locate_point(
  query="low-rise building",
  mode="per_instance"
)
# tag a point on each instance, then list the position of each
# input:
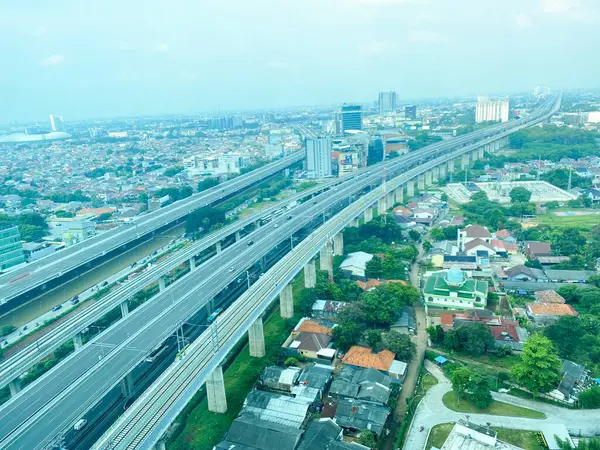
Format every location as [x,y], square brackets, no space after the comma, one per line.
[356,264]
[327,309]
[534,249]
[467,435]
[544,313]
[11,249]
[36,250]
[383,361]
[452,289]
[355,415]
[470,233]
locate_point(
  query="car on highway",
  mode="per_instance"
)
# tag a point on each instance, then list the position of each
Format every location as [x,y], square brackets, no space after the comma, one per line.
[104,283]
[276,225]
[249,243]
[75,300]
[289,218]
[231,269]
[56,308]
[80,425]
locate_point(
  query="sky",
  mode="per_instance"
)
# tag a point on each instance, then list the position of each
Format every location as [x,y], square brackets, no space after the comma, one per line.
[89,59]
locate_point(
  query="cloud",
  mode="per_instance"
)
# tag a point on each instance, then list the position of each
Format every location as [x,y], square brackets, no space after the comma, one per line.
[164,48]
[126,47]
[379,47]
[52,60]
[382,2]
[38,31]
[522,20]
[558,6]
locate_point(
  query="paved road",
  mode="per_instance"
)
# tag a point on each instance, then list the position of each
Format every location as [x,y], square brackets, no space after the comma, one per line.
[32,275]
[431,411]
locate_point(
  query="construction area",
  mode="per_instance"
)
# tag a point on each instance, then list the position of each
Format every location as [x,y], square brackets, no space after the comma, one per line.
[541,191]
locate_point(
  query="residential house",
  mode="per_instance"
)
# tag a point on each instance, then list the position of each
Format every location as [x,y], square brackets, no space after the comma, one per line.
[549,296]
[470,233]
[356,264]
[593,194]
[279,379]
[505,236]
[355,415]
[327,309]
[320,434]
[569,276]
[311,339]
[534,249]
[573,379]
[315,377]
[452,289]
[545,313]
[551,260]
[370,284]
[480,248]
[524,273]
[462,262]
[362,384]
[467,435]
[250,433]
[406,322]
[383,360]
[280,409]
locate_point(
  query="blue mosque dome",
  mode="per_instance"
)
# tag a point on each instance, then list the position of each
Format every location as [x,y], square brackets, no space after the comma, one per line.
[455,276]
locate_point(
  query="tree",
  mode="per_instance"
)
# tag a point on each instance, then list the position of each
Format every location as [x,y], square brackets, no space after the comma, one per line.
[202,219]
[373,338]
[436,334]
[479,391]
[437,234]
[565,334]
[519,195]
[590,398]
[7,329]
[104,217]
[346,335]
[291,362]
[207,183]
[570,293]
[540,366]
[367,438]
[414,235]
[306,301]
[374,268]
[451,340]
[475,339]
[461,379]
[427,245]
[400,344]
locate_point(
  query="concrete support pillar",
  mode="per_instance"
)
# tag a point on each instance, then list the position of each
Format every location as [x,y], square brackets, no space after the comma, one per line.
[237,235]
[310,274]
[256,339]
[161,284]
[77,341]
[15,387]
[338,244]
[451,166]
[286,302]
[215,391]
[160,445]
[210,306]
[127,385]
[192,264]
[464,162]
[442,170]
[263,264]
[435,174]
[218,247]
[124,308]
[480,153]
[325,259]
[496,145]
[368,215]
[421,181]
[474,155]
[354,223]
[399,193]
[410,188]
[382,205]
[428,176]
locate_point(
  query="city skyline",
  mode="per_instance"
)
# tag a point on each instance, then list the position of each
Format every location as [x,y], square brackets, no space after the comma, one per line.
[183,58]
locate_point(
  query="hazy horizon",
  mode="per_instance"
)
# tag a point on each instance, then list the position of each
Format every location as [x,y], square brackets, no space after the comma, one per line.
[128,59]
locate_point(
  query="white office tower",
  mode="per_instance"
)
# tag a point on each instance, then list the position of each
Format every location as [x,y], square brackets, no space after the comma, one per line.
[318,157]
[489,110]
[57,123]
[387,102]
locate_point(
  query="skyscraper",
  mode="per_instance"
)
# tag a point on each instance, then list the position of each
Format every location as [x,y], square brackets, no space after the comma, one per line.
[410,112]
[318,157]
[488,110]
[57,123]
[351,117]
[387,102]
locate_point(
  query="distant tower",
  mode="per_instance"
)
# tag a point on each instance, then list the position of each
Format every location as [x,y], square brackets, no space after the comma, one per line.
[318,157]
[387,102]
[351,117]
[57,123]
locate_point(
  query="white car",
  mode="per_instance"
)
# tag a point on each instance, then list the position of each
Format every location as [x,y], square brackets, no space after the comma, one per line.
[231,269]
[276,225]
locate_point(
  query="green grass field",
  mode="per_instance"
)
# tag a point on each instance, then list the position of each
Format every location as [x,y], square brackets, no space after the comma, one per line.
[496,408]
[202,429]
[584,222]
[438,435]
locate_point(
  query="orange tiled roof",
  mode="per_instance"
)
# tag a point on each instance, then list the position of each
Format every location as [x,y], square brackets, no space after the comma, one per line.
[370,283]
[402,282]
[310,326]
[364,357]
[551,309]
[549,296]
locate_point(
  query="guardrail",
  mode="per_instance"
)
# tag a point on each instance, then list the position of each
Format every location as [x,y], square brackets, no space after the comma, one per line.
[147,419]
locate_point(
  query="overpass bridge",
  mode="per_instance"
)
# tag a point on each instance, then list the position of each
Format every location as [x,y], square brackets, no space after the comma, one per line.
[54,402]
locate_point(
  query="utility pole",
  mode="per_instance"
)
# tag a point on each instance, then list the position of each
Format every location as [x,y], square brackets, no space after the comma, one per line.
[570,178]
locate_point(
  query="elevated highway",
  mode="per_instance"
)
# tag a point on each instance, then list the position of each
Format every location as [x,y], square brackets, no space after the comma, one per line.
[60,397]
[16,284]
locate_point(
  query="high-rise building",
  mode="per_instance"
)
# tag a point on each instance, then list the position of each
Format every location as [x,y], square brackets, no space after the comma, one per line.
[410,112]
[488,110]
[351,117]
[11,249]
[387,102]
[318,157]
[57,123]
